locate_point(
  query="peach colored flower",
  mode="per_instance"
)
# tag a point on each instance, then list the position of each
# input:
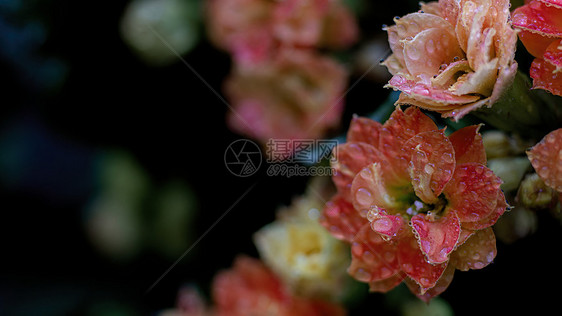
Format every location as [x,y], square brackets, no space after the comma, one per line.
[540,22]
[453,58]
[546,158]
[297,95]
[249,288]
[414,204]
[253,29]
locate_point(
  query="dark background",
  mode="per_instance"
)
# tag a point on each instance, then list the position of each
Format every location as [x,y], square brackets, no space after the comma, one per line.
[105,97]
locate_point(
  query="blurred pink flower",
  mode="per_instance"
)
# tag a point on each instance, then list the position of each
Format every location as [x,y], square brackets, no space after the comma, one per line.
[253,29]
[297,95]
[454,56]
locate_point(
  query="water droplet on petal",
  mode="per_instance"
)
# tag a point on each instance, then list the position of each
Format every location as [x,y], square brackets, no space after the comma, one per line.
[413,53]
[408,268]
[389,256]
[364,197]
[362,275]
[382,225]
[385,272]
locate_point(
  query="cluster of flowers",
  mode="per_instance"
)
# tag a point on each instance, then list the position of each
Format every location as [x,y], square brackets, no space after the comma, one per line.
[281,86]
[540,24]
[302,273]
[413,202]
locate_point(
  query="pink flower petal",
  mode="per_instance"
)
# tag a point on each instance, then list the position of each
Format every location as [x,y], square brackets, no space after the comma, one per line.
[409,26]
[428,50]
[468,145]
[386,285]
[389,226]
[364,130]
[440,287]
[553,3]
[501,207]
[553,55]
[450,10]
[350,159]
[370,189]
[546,158]
[538,18]
[424,92]
[401,126]
[535,43]
[341,219]
[472,192]
[432,7]
[437,238]
[477,252]
[432,162]
[373,259]
[413,262]
[545,77]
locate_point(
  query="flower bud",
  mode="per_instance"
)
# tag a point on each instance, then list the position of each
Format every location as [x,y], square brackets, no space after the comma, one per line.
[534,193]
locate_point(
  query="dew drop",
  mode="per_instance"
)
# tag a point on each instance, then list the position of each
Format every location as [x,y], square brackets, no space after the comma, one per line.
[389,256]
[363,213]
[385,272]
[426,246]
[365,174]
[368,256]
[408,268]
[364,197]
[314,214]
[362,275]
[413,53]
[478,265]
[444,252]
[357,249]
[382,224]
[424,282]
[428,169]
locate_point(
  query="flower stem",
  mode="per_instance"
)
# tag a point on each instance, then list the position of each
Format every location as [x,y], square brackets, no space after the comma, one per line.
[529,113]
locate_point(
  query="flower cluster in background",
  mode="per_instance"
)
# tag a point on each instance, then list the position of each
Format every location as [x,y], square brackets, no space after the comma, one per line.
[281,86]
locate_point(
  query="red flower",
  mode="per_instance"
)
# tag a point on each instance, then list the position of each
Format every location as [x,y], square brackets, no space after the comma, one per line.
[540,22]
[251,289]
[414,203]
[546,158]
